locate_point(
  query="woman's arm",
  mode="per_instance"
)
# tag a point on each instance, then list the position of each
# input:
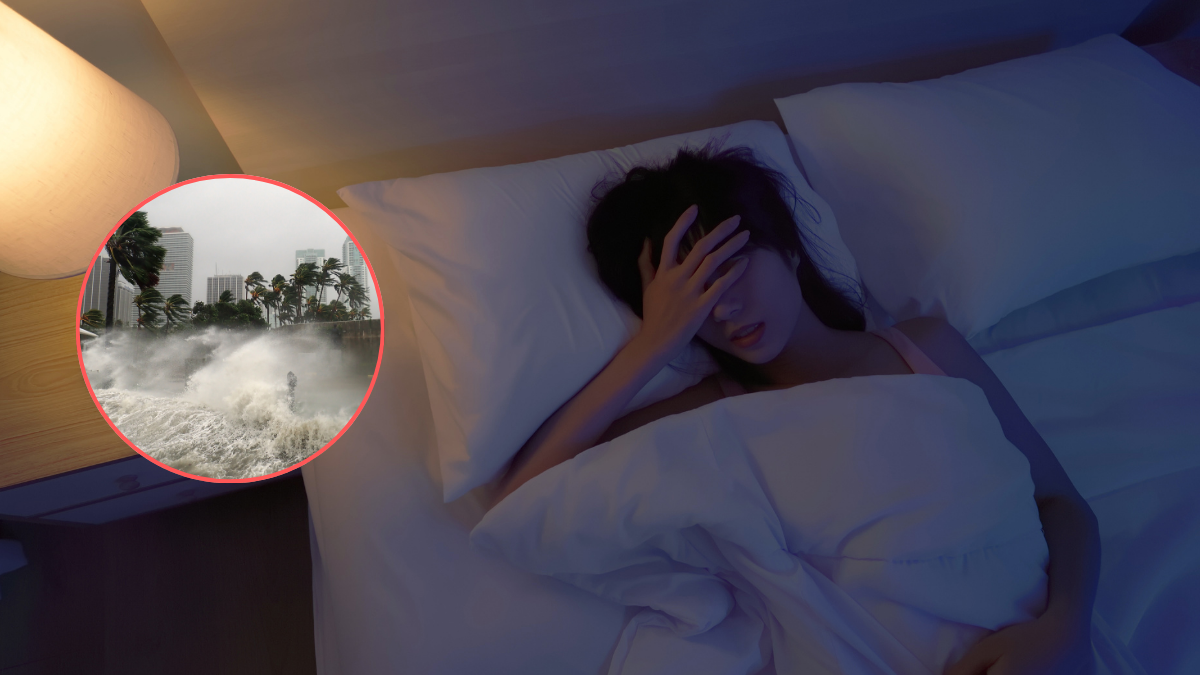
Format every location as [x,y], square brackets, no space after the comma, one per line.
[581,421]
[675,301]
[1070,526]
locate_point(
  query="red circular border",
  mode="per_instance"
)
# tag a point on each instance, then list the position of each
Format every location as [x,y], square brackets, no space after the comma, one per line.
[79,341]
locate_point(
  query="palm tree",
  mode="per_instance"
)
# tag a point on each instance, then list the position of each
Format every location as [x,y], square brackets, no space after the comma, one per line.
[258,296]
[275,296]
[149,320]
[305,275]
[92,319]
[175,310]
[336,311]
[226,311]
[270,300]
[330,267]
[343,284]
[289,305]
[148,304]
[356,295]
[254,284]
[254,280]
[133,250]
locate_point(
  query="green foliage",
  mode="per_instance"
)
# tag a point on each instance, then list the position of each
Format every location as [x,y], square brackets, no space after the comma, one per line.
[135,254]
[92,320]
[177,313]
[149,304]
[306,274]
[239,315]
[325,275]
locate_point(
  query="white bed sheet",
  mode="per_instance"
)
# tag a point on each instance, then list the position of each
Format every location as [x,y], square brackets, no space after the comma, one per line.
[398,589]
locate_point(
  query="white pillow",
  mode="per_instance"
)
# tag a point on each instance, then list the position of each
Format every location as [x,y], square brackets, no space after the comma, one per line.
[972,195]
[510,314]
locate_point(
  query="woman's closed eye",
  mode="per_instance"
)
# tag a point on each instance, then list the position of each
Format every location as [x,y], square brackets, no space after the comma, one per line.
[724,268]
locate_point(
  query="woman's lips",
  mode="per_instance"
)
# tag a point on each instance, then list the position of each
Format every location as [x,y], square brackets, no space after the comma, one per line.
[751,339]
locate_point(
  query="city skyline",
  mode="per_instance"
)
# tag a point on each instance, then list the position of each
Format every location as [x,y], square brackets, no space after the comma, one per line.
[240,226]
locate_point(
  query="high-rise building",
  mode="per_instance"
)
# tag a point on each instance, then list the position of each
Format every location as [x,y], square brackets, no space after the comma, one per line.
[310,255]
[95,293]
[176,274]
[216,285]
[355,265]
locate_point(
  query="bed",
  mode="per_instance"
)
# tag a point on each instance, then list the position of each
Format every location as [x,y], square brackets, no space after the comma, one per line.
[1112,386]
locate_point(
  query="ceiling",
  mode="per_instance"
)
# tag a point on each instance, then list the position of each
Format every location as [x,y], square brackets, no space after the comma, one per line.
[321,94]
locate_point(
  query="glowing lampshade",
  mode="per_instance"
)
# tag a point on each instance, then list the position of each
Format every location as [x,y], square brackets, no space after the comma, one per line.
[77,151]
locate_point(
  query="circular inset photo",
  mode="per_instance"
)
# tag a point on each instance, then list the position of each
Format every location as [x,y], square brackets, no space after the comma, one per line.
[230,328]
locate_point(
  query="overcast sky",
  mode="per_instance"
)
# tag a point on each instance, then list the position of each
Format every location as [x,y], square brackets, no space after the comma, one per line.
[239,226]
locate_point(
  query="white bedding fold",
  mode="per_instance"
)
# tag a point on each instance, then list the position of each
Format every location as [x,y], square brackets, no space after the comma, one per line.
[866,525]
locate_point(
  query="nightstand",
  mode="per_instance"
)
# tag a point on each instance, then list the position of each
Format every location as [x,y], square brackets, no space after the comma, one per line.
[59,459]
[108,492]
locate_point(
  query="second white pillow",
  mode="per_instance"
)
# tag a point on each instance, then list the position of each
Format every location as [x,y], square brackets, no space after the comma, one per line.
[975,194]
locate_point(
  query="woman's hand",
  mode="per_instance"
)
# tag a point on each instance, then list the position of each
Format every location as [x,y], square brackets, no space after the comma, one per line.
[677,298]
[1044,646]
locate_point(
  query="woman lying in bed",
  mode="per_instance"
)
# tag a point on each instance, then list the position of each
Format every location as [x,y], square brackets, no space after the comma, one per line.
[707,247]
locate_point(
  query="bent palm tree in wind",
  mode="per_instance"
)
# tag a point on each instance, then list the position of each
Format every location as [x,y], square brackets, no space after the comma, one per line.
[275,296]
[176,310]
[133,250]
[289,304]
[258,296]
[149,302]
[270,300]
[305,275]
[254,284]
[226,309]
[356,295]
[344,282]
[325,277]
[254,280]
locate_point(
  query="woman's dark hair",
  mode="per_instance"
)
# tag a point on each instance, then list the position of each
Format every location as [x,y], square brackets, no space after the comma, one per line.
[647,201]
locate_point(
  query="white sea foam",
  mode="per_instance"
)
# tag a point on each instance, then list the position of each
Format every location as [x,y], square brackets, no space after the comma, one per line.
[232,417]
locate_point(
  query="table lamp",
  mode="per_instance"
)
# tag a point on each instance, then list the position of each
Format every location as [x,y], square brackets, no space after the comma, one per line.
[77,152]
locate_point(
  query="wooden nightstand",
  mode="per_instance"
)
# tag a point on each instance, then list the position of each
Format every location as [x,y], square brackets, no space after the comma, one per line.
[59,459]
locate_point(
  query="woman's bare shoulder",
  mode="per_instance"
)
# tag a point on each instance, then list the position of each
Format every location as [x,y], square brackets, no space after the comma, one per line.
[703,392]
[922,329]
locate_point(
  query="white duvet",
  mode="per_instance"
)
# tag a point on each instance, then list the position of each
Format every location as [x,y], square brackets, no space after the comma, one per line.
[866,525]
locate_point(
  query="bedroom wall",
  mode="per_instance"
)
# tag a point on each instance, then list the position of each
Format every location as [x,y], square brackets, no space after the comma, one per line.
[323,94]
[119,38]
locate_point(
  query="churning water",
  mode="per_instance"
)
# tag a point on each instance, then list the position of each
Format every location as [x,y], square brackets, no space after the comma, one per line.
[217,403]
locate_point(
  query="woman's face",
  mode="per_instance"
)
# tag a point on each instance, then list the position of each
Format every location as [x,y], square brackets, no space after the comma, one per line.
[767,293]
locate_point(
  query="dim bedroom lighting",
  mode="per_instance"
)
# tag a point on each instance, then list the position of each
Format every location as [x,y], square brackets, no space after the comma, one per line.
[79,151]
